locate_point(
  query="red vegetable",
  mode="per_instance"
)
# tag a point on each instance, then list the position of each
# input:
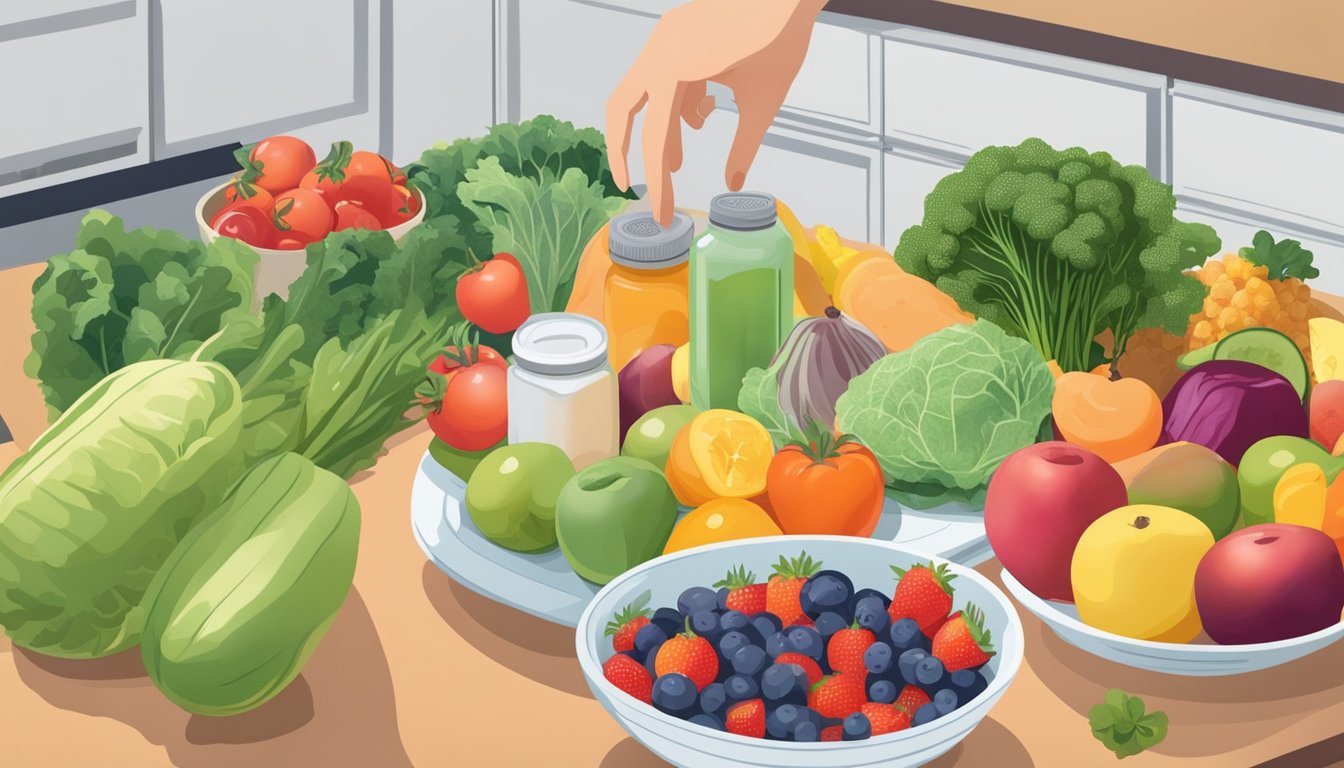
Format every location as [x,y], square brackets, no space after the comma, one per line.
[301,214]
[278,163]
[245,222]
[1228,405]
[493,295]
[464,395]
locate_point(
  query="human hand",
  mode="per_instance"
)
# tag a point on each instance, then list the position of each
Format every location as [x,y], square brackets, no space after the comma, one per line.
[755,47]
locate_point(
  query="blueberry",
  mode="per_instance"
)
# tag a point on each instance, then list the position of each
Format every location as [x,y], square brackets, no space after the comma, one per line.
[731,642]
[872,615]
[697,599]
[722,595]
[708,721]
[741,688]
[714,699]
[670,620]
[906,634]
[648,637]
[651,656]
[784,684]
[767,624]
[806,640]
[968,684]
[907,661]
[776,644]
[945,701]
[929,673]
[878,658]
[806,731]
[829,623]
[882,691]
[857,727]
[925,714]
[733,620]
[675,694]
[705,624]
[827,591]
[780,721]
[866,592]
[750,660]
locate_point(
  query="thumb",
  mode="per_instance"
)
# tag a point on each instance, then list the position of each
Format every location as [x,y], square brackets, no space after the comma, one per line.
[753,120]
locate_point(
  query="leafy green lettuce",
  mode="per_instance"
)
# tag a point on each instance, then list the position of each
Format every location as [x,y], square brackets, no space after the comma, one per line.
[941,415]
[759,399]
[123,297]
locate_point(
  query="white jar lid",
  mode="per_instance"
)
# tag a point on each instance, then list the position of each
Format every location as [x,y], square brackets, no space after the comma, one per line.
[560,344]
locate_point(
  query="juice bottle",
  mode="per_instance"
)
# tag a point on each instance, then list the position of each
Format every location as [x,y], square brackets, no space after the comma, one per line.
[741,295]
[645,301]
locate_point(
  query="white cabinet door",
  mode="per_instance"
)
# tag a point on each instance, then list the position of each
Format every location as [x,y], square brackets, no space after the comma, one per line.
[955,95]
[840,83]
[247,69]
[72,86]
[907,177]
[440,81]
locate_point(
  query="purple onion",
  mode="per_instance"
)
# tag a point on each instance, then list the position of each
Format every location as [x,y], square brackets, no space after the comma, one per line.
[1229,405]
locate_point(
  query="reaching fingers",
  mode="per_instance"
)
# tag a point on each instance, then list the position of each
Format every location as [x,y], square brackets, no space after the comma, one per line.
[662,149]
[753,120]
[625,102]
[695,105]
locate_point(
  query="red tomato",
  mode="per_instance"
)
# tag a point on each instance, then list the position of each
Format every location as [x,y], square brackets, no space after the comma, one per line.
[408,207]
[302,214]
[464,395]
[321,184]
[279,163]
[245,222]
[285,243]
[239,190]
[370,164]
[493,295]
[351,216]
[377,196]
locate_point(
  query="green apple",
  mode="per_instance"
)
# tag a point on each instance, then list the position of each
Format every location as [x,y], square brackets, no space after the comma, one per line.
[512,494]
[613,516]
[650,438]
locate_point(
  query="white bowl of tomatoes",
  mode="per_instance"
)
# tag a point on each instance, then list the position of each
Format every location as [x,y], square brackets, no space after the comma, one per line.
[284,199]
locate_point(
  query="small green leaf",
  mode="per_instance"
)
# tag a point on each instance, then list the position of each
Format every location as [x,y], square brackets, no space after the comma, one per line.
[1134,708]
[1122,727]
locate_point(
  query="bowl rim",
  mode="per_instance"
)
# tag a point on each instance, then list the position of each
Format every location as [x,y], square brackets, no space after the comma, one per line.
[204,225]
[1052,615]
[1011,637]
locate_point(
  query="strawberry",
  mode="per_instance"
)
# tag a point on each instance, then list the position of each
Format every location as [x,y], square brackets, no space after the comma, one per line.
[838,695]
[627,622]
[746,718]
[630,676]
[806,662]
[689,654]
[923,593]
[833,733]
[886,718]
[784,587]
[744,594]
[911,699]
[845,650]
[963,642]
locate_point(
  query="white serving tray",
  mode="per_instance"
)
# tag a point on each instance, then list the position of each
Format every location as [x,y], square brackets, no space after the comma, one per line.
[545,586]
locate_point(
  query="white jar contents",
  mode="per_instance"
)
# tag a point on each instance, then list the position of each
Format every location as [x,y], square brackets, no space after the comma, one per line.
[561,388]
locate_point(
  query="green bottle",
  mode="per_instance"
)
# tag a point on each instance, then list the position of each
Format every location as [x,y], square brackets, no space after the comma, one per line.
[741,295]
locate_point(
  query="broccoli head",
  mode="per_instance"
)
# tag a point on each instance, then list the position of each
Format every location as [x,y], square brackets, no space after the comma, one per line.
[1057,246]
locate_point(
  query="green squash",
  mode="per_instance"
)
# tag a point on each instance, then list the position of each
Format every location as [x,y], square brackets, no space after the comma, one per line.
[239,607]
[98,502]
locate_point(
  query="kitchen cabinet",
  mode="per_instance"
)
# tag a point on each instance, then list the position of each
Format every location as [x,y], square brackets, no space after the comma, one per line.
[438,73]
[73,91]
[247,69]
[907,176]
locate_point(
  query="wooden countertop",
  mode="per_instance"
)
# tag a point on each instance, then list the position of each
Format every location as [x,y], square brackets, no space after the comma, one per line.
[1284,50]
[418,671]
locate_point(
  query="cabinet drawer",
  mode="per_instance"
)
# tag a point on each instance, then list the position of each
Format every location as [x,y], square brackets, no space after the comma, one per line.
[907,177]
[223,79]
[1276,162]
[956,95]
[74,91]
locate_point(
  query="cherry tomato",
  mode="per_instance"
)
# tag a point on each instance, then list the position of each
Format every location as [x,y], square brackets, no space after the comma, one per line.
[352,216]
[370,164]
[239,190]
[377,196]
[493,295]
[302,214]
[279,163]
[245,222]
[464,395]
[323,185]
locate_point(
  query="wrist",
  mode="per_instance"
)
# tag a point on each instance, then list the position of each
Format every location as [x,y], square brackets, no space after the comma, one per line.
[811,7]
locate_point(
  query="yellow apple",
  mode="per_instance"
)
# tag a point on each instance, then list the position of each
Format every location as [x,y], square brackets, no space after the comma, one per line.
[1133,573]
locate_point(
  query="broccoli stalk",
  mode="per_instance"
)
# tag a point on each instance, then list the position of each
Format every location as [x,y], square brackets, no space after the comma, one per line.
[1058,247]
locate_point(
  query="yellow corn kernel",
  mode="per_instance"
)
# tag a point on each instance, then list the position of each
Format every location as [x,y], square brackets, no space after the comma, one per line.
[1242,300]
[1222,291]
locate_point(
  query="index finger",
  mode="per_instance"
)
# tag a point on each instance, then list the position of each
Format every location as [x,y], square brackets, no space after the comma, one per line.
[624,104]
[662,150]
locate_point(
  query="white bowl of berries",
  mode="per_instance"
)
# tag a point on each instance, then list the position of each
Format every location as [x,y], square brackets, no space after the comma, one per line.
[818,651]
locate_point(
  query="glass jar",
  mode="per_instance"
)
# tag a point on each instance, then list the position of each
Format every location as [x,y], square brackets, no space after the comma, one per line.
[561,389]
[645,297]
[741,297]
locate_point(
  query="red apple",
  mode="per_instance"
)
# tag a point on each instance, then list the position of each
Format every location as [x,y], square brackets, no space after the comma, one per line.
[1040,501]
[1269,582]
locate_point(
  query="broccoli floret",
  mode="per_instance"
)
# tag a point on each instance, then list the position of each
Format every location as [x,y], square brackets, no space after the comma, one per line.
[1058,247]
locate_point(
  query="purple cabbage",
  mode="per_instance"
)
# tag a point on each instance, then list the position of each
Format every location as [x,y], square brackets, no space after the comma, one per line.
[1228,405]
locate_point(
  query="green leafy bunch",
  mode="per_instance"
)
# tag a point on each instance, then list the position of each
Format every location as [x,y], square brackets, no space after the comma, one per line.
[1059,246]
[1283,259]
[1123,725]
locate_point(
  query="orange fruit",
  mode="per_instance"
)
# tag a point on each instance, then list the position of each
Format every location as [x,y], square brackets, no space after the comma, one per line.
[720,454]
[720,520]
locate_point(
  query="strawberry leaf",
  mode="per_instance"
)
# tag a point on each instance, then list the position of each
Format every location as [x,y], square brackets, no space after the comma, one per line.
[737,578]
[629,613]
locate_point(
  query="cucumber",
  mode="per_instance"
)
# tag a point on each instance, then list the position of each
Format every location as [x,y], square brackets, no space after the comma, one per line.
[1268,348]
[1195,357]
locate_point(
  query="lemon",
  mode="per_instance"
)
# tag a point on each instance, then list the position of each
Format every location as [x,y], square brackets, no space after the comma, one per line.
[721,520]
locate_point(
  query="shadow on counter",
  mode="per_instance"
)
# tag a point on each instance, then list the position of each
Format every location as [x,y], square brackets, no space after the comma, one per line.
[340,711]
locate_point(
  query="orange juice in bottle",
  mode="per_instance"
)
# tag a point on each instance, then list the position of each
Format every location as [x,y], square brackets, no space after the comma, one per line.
[646,300]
